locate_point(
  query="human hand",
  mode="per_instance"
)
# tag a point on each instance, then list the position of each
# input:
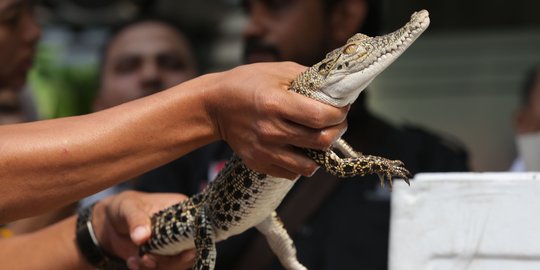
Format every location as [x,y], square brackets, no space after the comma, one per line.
[265,124]
[122,223]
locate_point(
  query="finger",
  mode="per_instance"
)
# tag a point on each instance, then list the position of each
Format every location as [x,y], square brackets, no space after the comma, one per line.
[304,137]
[159,201]
[273,170]
[132,212]
[294,160]
[285,161]
[184,260]
[292,70]
[136,263]
[133,263]
[281,172]
[309,112]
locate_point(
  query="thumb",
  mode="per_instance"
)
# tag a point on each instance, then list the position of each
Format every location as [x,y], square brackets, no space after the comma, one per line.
[138,223]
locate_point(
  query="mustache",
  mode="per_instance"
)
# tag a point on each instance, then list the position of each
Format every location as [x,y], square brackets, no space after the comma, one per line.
[254,45]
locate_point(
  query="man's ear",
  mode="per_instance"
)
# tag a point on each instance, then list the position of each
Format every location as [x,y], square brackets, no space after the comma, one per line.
[347,16]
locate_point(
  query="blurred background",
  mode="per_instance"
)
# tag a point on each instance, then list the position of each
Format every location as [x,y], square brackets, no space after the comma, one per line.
[462,78]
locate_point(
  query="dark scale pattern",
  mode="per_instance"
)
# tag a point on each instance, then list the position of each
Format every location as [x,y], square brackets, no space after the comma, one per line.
[235,195]
[204,242]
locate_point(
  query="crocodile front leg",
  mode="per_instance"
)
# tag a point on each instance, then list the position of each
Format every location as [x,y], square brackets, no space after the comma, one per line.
[359,165]
[280,242]
[204,242]
[345,148]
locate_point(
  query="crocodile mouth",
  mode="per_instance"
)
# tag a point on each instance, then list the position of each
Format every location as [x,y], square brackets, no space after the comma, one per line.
[381,52]
[406,36]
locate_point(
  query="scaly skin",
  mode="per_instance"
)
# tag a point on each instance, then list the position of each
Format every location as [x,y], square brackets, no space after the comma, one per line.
[240,198]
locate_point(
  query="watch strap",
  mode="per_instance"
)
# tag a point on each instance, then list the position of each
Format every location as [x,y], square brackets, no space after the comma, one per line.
[89,245]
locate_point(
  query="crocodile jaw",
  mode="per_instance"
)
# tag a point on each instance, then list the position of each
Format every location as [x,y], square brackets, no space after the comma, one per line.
[346,74]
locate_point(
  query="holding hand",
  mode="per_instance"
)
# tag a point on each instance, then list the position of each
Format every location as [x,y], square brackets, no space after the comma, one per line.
[122,222]
[264,123]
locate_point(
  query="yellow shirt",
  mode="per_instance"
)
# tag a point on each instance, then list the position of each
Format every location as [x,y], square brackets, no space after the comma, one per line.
[5,232]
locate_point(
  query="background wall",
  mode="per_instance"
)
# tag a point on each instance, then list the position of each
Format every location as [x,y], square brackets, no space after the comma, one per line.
[463,77]
[463,84]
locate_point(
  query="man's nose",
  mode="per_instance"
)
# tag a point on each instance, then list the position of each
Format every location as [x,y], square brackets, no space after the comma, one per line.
[151,80]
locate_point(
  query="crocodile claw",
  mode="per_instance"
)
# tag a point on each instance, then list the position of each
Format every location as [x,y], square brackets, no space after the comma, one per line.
[393,169]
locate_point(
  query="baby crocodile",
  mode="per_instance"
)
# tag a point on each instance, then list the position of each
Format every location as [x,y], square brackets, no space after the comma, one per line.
[240,198]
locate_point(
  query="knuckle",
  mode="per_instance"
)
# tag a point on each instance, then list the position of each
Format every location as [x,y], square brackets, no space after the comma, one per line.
[266,133]
[270,105]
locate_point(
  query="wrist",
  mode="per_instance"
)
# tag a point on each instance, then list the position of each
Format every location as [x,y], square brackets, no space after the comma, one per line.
[214,95]
[99,225]
[89,246]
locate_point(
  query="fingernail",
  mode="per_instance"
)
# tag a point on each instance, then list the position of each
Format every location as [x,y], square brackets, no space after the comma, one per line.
[139,234]
[316,169]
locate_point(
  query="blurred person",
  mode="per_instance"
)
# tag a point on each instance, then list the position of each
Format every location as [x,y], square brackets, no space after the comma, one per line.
[16,52]
[143,57]
[47,164]
[343,225]
[527,125]
[10,107]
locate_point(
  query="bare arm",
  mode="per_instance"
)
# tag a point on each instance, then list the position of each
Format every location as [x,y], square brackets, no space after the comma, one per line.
[36,251]
[51,163]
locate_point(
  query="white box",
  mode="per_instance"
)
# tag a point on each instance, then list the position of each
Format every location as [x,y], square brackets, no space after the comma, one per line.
[473,221]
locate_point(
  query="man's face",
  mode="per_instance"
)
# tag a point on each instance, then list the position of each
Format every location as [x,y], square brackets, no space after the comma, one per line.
[143,59]
[19,34]
[279,30]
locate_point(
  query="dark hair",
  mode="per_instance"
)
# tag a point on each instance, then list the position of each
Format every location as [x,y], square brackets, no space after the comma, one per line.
[530,78]
[371,26]
[116,29]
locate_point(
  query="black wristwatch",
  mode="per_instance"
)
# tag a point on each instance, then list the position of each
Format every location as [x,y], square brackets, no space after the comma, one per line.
[89,245]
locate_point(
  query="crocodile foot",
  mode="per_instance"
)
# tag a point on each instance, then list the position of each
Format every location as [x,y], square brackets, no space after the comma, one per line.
[388,169]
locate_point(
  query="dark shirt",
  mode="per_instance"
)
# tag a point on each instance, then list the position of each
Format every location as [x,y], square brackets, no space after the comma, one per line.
[188,174]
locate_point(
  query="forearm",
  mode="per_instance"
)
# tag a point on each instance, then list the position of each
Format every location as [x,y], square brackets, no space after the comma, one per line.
[50,163]
[50,248]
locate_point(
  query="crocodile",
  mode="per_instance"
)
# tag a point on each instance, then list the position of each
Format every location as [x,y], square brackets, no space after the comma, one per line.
[240,198]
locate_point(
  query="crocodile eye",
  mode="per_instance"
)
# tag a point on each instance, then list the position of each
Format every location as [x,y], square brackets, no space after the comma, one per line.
[350,49]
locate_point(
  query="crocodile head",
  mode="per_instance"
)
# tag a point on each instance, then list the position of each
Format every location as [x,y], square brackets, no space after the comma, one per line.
[348,70]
